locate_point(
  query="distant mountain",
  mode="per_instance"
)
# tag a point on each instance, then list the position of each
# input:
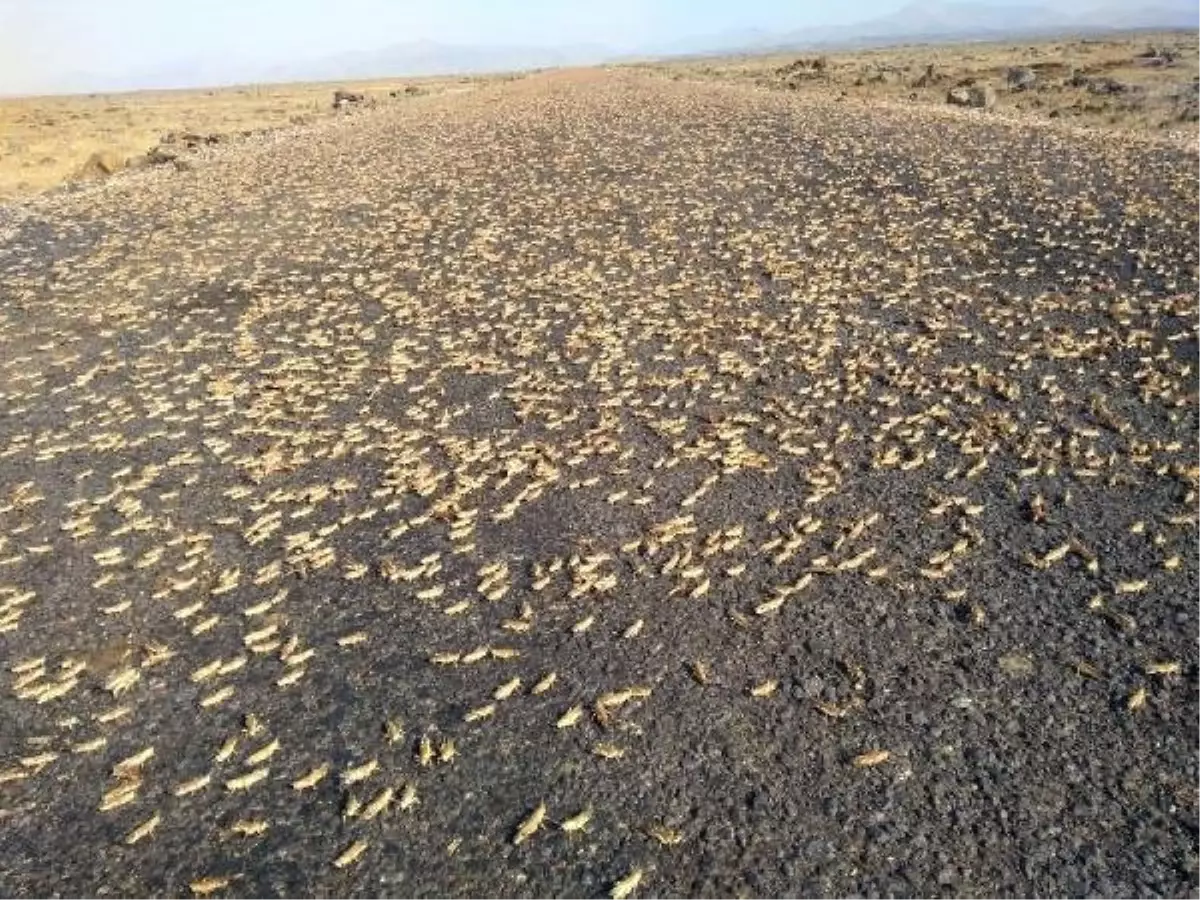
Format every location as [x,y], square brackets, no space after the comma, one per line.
[924,20]
[411,59]
[429,58]
[942,20]
[967,20]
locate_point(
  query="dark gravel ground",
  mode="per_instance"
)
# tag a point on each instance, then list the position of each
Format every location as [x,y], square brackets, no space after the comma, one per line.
[882,424]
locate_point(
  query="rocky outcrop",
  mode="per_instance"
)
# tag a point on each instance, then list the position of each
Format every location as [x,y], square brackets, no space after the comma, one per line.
[973,96]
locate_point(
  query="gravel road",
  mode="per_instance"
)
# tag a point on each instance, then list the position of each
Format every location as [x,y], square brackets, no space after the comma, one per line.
[597,484]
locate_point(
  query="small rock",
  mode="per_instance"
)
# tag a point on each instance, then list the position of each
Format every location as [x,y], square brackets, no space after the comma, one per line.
[805,68]
[160,156]
[1105,86]
[192,141]
[1020,78]
[975,97]
[809,688]
[1155,56]
[343,99]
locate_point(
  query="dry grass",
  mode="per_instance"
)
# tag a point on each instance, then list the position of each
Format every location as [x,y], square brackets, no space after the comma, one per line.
[46,140]
[1158,99]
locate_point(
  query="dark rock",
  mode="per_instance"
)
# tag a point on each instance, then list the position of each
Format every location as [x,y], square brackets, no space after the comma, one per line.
[343,99]
[975,97]
[809,68]
[160,155]
[1020,78]
[189,139]
[1106,86]
[172,143]
[1155,56]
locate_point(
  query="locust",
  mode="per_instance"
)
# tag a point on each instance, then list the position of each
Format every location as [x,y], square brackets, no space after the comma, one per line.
[249,827]
[623,887]
[377,805]
[530,824]
[765,689]
[507,689]
[359,773]
[210,884]
[1163,668]
[577,822]
[668,837]
[425,751]
[871,758]
[192,786]
[311,778]
[264,753]
[570,718]
[408,797]
[480,712]
[244,782]
[350,855]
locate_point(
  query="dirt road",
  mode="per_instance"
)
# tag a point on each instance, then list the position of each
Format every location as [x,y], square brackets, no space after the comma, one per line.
[603,484]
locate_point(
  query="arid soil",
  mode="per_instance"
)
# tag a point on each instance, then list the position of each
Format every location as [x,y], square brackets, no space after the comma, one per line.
[597,484]
[46,142]
[1145,83]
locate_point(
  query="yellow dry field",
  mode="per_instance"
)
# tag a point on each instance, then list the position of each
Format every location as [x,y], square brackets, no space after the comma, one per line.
[44,141]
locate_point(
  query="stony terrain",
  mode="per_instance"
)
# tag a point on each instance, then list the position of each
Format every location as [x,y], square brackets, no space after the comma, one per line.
[1142,82]
[603,485]
[1145,83]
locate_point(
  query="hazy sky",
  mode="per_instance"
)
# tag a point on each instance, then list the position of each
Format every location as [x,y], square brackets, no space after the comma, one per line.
[45,42]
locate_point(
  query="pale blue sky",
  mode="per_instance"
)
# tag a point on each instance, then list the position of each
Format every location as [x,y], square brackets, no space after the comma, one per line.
[44,43]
